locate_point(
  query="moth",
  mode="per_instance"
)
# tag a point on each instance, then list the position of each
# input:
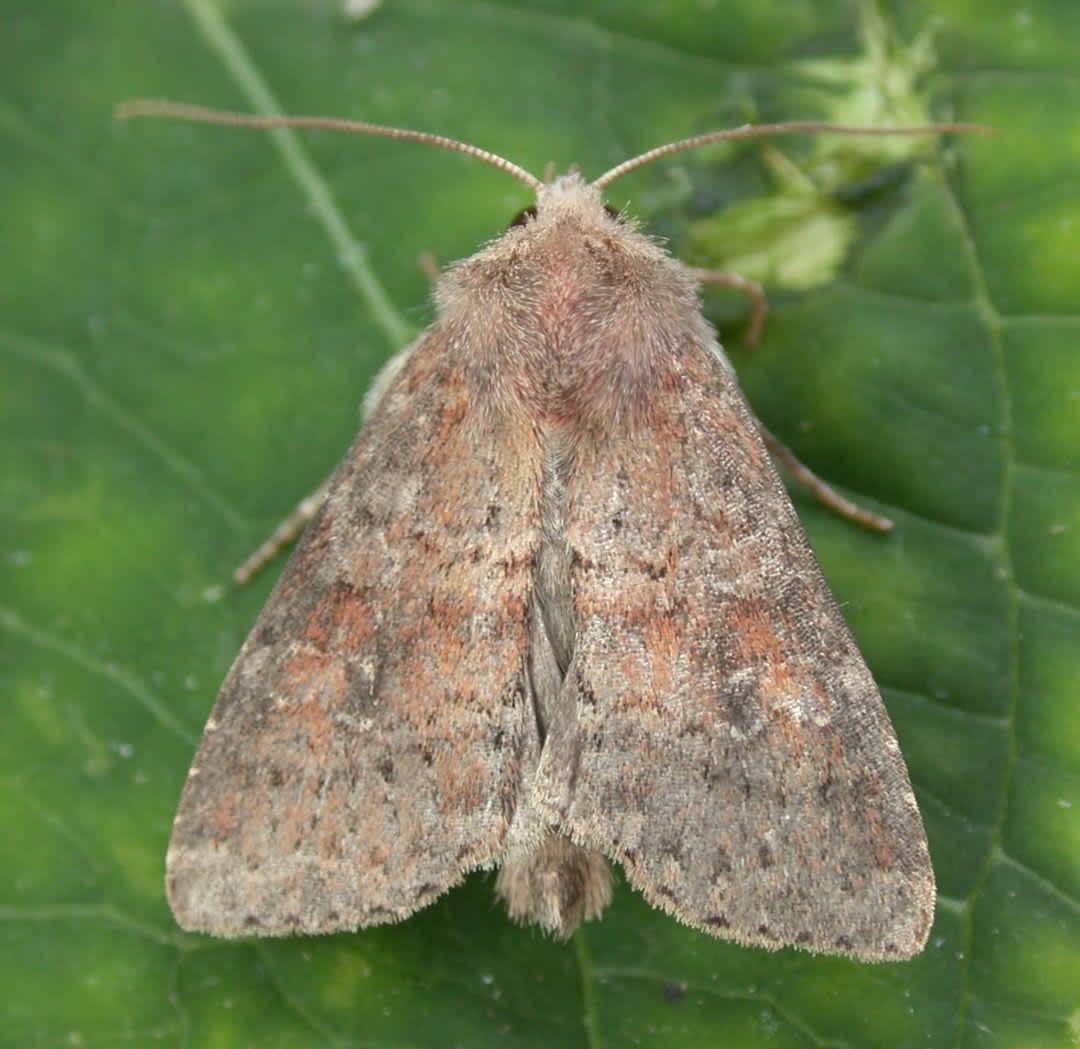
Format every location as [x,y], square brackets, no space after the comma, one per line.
[556,610]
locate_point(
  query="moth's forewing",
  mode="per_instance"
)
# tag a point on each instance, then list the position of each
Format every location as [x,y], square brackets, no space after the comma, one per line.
[367,746]
[735,753]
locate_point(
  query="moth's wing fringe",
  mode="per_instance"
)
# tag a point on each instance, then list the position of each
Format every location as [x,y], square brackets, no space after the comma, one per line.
[367,746]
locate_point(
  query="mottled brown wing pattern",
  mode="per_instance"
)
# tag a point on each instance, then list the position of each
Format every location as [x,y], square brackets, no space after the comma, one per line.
[367,745]
[731,748]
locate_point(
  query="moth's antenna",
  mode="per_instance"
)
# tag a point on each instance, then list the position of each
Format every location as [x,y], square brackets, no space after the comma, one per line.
[148,107]
[791,127]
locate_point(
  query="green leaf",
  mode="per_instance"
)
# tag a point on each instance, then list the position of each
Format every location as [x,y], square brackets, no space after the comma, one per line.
[190,317]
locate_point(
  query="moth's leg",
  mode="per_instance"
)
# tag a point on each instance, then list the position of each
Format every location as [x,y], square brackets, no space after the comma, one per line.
[818,488]
[759,306]
[289,530]
[283,535]
[799,471]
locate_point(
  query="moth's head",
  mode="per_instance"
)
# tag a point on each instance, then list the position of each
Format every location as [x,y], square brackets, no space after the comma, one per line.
[567,198]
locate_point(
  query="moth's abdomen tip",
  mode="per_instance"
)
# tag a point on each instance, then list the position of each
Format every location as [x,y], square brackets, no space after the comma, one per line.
[555,886]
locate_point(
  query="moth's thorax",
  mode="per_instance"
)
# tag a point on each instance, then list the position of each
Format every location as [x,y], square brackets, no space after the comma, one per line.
[574,315]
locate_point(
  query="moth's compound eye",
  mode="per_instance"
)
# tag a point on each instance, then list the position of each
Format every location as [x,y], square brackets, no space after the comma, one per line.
[523,216]
[528,213]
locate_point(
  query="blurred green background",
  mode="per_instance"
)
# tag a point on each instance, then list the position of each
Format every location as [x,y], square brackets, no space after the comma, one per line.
[189,317]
